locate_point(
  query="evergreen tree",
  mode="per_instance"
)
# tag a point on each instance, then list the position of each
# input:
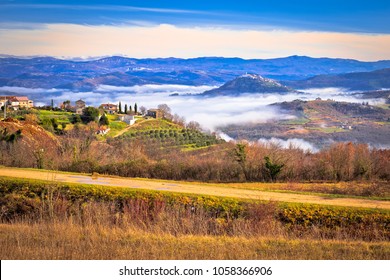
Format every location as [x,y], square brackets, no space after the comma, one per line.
[90,114]
[273,168]
[52,104]
[125,108]
[135,108]
[104,120]
[130,109]
[120,108]
[240,153]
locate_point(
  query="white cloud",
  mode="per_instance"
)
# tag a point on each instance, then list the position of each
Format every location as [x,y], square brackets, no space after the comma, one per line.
[155,89]
[23,90]
[289,143]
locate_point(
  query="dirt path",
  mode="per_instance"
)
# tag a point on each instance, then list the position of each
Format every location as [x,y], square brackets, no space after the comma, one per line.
[195,188]
[137,123]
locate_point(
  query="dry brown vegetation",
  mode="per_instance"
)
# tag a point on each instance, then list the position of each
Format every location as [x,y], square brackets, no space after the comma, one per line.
[83,222]
[72,241]
[79,150]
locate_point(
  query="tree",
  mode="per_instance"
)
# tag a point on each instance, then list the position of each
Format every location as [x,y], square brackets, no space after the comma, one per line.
[130,109]
[54,123]
[52,104]
[90,114]
[165,111]
[273,168]
[120,108]
[240,156]
[125,108]
[66,105]
[104,120]
[135,108]
[76,119]
[178,120]
[194,125]
[142,110]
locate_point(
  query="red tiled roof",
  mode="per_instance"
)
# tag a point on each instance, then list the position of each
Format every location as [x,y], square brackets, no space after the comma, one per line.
[21,98]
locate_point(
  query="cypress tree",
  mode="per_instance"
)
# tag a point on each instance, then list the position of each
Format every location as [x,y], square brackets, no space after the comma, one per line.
[135,108]
[125,108]
[120,108]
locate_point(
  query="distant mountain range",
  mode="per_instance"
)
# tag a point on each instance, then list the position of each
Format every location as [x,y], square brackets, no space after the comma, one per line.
[249,83]
[374,80]
[48,72]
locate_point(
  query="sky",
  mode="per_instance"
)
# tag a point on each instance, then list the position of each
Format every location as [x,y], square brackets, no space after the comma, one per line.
[247,29]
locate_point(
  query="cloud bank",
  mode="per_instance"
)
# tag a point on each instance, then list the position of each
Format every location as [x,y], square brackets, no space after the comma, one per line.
[167,40]
[210,112]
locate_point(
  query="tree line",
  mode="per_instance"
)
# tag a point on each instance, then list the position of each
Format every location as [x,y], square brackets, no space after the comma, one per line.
[79,150]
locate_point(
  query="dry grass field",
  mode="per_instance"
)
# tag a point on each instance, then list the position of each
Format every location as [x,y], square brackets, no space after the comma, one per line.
[56,215]
[71,241]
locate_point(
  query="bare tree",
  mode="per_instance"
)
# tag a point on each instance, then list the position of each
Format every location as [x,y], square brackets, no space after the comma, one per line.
[165,111]
[194,125]
[142,109]
[178,119]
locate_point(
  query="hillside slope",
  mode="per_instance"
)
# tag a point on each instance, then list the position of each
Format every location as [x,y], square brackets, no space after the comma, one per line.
[374,80]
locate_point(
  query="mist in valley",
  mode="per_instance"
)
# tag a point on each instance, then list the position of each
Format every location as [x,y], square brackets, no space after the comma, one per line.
[212,113]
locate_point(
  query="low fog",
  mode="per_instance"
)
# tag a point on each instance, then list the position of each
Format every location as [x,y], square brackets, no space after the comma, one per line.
[210,112]
[290,143]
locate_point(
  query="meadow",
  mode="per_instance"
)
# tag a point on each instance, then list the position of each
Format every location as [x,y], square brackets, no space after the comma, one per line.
[56,220]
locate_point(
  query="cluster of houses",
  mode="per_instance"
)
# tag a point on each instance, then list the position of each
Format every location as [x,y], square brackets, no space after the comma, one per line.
[23,102]
[16,102]
[107,107]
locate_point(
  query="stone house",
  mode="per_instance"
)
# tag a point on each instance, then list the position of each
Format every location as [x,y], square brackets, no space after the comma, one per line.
[154,113]
[80,106]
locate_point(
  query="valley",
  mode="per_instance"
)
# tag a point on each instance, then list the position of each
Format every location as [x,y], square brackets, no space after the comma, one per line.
[321,122]
[207,153]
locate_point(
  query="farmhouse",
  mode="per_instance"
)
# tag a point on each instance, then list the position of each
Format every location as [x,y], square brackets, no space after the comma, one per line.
[80,106]
[16,102]
[110,108]
[154,113]
[24,102]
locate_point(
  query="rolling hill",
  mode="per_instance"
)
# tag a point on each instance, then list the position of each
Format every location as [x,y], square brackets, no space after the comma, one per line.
[249,83]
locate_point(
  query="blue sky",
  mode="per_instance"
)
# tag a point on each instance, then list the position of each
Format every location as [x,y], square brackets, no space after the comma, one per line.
[281,23]
[331,15]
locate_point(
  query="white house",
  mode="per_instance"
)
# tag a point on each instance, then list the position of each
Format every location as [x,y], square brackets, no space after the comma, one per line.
[129,119]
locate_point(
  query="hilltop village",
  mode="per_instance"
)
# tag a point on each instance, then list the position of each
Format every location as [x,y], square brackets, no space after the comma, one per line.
[18,105]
